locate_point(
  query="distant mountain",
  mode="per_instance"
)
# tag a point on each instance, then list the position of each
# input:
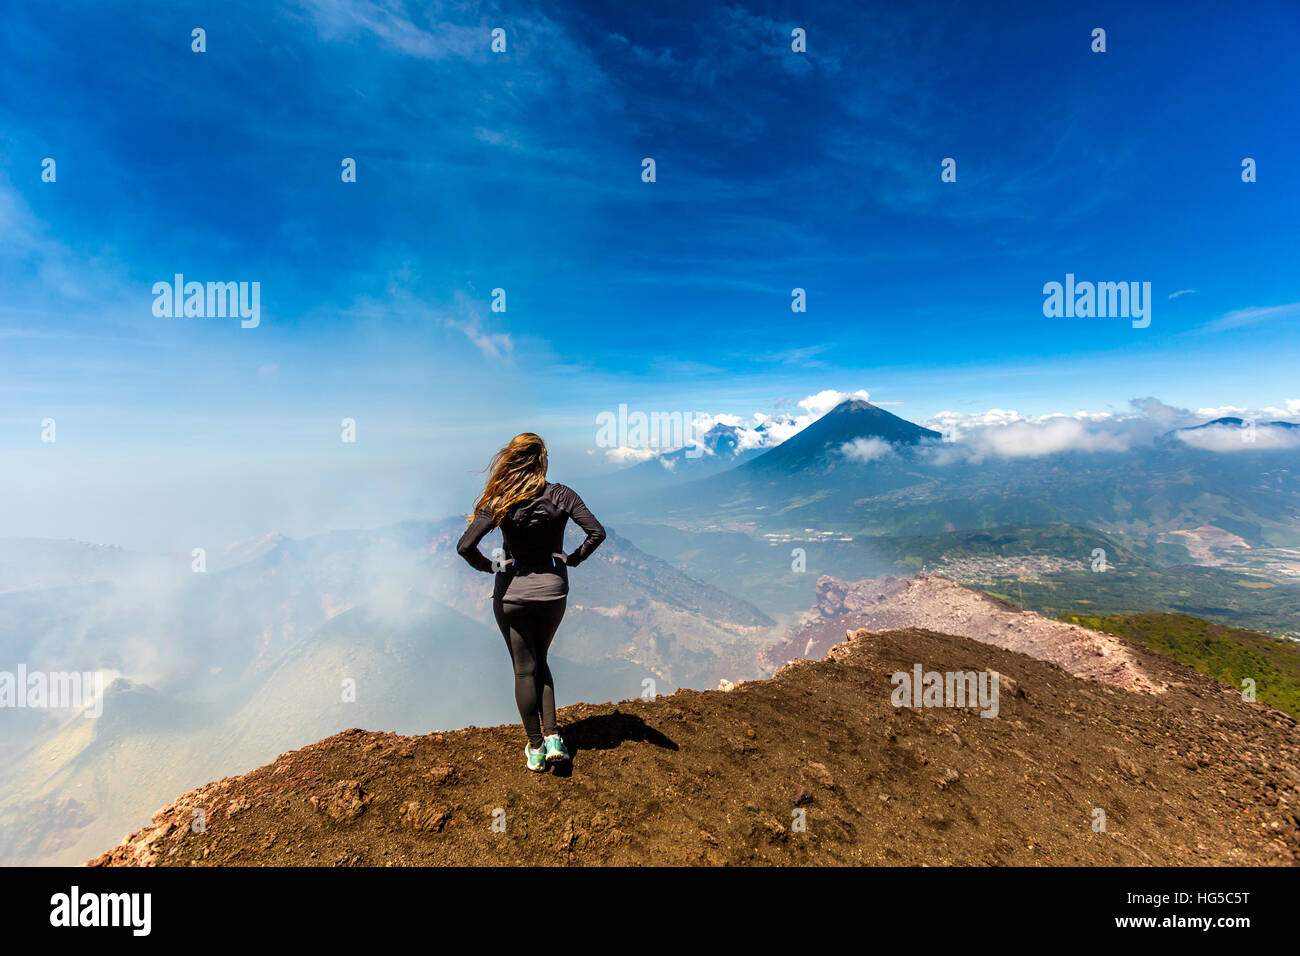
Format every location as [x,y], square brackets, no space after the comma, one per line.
[719,450]
[852,433]
[830,440]
[27,563]
[861,470]
[1233,422]
[854,450]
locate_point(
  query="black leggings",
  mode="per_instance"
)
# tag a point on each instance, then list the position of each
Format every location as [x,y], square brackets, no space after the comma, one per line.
[528,630]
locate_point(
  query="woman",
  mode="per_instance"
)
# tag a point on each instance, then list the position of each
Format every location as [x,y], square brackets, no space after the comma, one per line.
[532,577]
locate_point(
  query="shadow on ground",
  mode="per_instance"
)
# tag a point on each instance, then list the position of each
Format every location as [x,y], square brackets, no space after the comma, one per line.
[605,732]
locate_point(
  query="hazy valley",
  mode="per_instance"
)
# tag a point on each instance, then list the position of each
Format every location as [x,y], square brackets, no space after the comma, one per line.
[721,574]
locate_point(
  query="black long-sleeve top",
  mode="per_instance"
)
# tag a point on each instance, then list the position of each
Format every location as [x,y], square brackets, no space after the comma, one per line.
[533,533]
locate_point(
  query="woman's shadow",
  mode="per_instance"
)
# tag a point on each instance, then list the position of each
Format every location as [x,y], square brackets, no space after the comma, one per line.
[605,732]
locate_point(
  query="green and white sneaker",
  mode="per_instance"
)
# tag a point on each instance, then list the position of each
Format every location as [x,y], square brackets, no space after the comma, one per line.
[536,759]
[555,752]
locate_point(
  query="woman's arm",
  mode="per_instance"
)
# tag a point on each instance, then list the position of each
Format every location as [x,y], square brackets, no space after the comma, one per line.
[584,519]
[467,547]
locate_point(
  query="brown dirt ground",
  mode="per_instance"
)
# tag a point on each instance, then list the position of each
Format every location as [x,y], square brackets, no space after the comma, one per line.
[1190,776]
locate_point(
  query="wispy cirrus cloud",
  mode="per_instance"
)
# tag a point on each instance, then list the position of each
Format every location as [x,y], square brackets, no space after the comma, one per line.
[396,27]
[1256,315]
[493,345]
[808,356]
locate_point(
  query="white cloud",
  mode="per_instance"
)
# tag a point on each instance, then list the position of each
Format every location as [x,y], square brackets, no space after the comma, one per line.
[866,449]
[818,405]
[1230,438]
[1034,439]
[1006,433]
[1003,433]
[1290,409]
[630,456]
[947,422]
[1162,416]
[1222,411]
[771,430]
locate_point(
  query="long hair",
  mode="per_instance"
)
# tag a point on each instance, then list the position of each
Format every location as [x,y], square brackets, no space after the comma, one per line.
[515,473]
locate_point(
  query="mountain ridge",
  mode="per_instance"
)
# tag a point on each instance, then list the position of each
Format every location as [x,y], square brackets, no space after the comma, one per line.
[813,766]
[938,604]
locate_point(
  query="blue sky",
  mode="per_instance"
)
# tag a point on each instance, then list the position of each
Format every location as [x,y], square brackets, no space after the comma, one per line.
[522,171]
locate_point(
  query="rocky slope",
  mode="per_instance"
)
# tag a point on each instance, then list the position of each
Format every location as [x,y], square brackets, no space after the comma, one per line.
[813,766]
[935,603]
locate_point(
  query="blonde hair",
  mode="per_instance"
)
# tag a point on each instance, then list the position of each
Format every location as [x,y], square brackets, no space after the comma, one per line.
[516,473]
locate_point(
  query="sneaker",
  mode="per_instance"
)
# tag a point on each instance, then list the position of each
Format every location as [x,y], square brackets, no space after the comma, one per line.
[555,752]
[536,759]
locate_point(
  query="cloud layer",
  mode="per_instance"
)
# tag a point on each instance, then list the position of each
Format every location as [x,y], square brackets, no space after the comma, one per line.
[1002,433]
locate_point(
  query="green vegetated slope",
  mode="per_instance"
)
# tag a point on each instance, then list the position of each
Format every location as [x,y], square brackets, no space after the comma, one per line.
[1228,654]
[1214,594]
